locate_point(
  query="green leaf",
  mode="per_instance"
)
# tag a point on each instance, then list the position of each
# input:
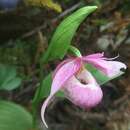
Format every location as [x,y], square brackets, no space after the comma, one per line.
[64,33]
[8,77]
[14,117]
[100,77]
[12,84]
[45,86]
[7,70]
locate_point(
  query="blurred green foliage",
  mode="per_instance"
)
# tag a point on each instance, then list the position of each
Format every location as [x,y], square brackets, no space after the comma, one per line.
[14,117]
[18,53]
[9,79]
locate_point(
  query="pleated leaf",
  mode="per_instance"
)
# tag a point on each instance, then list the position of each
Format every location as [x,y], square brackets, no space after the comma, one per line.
[14,117]
[64,33]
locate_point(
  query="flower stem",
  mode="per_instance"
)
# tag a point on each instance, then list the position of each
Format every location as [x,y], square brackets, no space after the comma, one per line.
[35,100]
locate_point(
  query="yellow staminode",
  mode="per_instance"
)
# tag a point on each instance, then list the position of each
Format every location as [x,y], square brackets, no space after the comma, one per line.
[44,3]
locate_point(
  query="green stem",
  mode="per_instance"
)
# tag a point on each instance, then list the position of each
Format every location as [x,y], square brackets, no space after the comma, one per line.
[75,51]
[35,100]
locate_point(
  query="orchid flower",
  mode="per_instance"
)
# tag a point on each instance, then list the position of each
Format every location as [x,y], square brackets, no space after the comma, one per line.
[78,84]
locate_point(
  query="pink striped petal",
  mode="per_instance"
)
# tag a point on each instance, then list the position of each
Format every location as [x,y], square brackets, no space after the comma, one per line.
[63,74]
[46,102]
[60,65]
[95,55]
[110,68]
[114,68]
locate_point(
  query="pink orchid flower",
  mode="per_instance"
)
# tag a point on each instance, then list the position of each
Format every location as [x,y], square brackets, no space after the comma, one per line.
[78,84]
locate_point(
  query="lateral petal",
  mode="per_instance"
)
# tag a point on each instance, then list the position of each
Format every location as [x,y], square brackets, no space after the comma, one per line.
[62,75]
[110,68]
